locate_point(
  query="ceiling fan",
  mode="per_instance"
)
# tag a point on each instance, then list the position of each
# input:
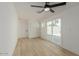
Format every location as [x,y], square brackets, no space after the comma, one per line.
[48,7]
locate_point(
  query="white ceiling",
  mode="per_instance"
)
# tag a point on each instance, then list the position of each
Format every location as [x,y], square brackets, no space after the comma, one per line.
[25,11]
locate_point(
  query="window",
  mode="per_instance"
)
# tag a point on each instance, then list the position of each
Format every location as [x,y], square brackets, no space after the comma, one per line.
[54,27]
[49,28]
[57,27]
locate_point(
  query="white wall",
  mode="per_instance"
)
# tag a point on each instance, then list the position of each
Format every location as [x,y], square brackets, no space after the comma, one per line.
[70,29]
[8,28]
[22,28]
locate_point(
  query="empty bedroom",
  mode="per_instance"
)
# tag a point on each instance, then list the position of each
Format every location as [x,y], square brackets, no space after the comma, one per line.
[39,28]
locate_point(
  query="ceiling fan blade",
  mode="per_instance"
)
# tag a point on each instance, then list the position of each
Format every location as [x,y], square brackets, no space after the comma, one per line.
[59,4]
[41,11]
[37,6]
[52,10]
[46,4]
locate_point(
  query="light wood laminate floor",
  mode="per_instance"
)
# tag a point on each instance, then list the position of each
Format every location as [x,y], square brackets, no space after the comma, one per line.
[39,47]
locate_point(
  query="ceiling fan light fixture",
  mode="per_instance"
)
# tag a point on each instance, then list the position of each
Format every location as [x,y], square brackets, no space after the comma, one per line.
[46,9]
